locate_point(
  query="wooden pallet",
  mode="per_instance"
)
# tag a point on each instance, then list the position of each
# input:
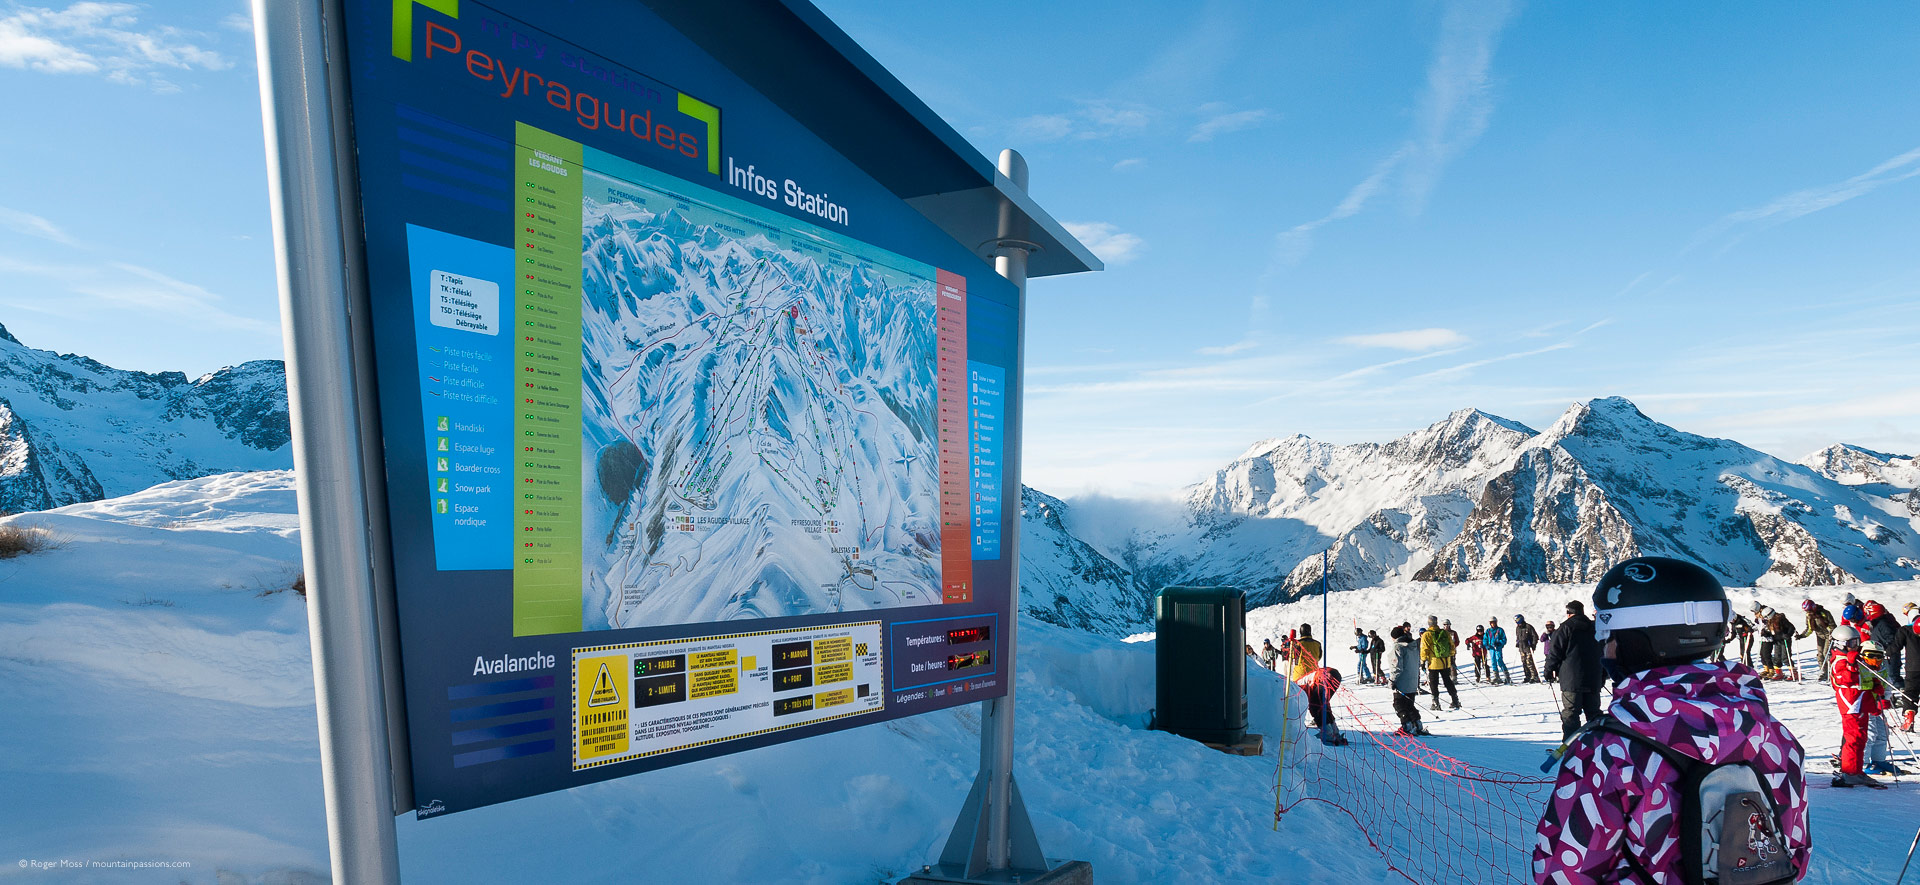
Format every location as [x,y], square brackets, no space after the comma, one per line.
[1250,745]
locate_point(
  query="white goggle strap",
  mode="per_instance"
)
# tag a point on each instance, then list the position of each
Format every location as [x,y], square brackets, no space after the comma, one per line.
[1666,614]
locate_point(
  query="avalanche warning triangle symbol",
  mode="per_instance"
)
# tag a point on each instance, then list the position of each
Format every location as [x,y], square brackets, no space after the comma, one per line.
[603,691]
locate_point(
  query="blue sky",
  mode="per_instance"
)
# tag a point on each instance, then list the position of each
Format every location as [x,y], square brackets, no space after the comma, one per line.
[1343,220]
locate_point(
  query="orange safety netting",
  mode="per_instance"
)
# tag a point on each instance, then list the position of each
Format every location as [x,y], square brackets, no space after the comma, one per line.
[1433,818]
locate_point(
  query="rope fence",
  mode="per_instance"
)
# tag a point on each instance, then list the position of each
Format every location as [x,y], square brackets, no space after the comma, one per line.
[1432,818]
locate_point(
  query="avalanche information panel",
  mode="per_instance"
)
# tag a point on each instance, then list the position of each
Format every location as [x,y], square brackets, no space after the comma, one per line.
[693,431]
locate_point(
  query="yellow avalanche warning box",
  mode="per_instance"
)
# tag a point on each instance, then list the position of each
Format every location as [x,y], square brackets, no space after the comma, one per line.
[637,700]
[600,707]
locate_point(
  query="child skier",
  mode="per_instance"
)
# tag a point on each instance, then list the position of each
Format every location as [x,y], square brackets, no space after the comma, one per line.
[1477,646]
[1616,812]
[1874,661]
[1853,691]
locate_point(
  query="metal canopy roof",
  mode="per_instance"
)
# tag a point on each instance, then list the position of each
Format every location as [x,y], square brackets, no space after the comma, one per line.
[793,54]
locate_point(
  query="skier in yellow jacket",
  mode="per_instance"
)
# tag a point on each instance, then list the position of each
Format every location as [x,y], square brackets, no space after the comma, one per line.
[1436,652]
[1306,653]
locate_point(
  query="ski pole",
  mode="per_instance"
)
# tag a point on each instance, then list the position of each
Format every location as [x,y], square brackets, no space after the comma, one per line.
[1903,867]
[1891,730]
[1553,755]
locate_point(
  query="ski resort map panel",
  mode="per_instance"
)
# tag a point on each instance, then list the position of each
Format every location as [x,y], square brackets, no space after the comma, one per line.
[762,412]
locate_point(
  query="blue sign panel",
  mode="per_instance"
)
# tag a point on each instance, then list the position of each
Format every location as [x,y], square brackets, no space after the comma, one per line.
[695,433]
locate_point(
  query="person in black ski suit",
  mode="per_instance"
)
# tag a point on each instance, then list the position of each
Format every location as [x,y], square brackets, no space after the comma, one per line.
[1909,698]
[1573,655]
[1886,630]
[1740,630]
[1527,639]
[1378,648]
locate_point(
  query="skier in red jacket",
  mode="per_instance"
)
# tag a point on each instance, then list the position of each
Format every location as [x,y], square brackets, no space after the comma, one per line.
[1854,690]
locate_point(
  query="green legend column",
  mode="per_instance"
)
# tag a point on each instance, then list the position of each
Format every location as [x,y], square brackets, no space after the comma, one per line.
[546,371]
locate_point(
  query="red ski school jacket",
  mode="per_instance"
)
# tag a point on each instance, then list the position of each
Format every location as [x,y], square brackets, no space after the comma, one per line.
[1616,798]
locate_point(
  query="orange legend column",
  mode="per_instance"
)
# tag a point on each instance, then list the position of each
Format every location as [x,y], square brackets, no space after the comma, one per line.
[956,526]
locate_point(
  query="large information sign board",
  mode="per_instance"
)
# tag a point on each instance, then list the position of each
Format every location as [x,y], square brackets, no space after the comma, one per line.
[693,432]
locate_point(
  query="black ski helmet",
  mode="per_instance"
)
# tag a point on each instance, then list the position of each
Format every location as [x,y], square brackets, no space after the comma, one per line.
[1659,611]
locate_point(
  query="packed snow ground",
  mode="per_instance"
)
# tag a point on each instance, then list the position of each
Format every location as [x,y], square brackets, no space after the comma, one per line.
[154,674]
[1858,834]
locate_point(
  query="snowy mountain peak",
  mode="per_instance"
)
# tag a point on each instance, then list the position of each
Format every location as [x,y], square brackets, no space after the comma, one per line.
[73,429]
[1476,496]
[1854,465]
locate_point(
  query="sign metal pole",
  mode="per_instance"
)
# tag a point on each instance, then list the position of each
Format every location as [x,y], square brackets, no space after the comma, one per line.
[297,90]
[993,839]
[996,732]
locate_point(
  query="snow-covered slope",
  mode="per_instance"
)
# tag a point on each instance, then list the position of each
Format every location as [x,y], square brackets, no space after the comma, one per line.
[72,429]
[154,673]
[1477,496]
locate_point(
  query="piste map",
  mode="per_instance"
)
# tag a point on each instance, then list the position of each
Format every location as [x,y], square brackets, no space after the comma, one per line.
[758,412]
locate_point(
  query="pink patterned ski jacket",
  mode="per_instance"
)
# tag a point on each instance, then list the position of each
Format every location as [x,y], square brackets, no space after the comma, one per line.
[1615,798]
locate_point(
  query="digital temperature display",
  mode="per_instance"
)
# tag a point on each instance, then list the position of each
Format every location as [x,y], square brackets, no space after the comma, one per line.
[970,659]
[965,635]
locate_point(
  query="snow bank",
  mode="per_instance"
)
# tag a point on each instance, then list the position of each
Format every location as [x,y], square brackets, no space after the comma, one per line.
[158,706]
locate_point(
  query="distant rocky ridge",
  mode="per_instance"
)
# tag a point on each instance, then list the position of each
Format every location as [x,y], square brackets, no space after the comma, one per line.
[1479,497]
[1472,497]
[74,430]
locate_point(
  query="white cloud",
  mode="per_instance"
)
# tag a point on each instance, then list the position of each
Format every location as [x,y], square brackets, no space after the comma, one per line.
[1109,242]
[1130,163]
[1452,114]
[1810,200]
[33,226]
[1091,120]
[1111,118]
[1475,364]
[1221,124]
[101,38]
[238,21]
[1411,339]
[120,285]
[1229,349]
[1043,127]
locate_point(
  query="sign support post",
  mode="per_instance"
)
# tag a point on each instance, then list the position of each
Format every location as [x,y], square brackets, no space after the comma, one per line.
[993,839]
[297,91]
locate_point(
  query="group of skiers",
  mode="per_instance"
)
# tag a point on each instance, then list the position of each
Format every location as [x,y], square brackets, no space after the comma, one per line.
[1863,664]
[1687,734]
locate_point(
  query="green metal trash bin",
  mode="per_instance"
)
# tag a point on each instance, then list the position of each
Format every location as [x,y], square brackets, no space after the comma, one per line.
[1200,668]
